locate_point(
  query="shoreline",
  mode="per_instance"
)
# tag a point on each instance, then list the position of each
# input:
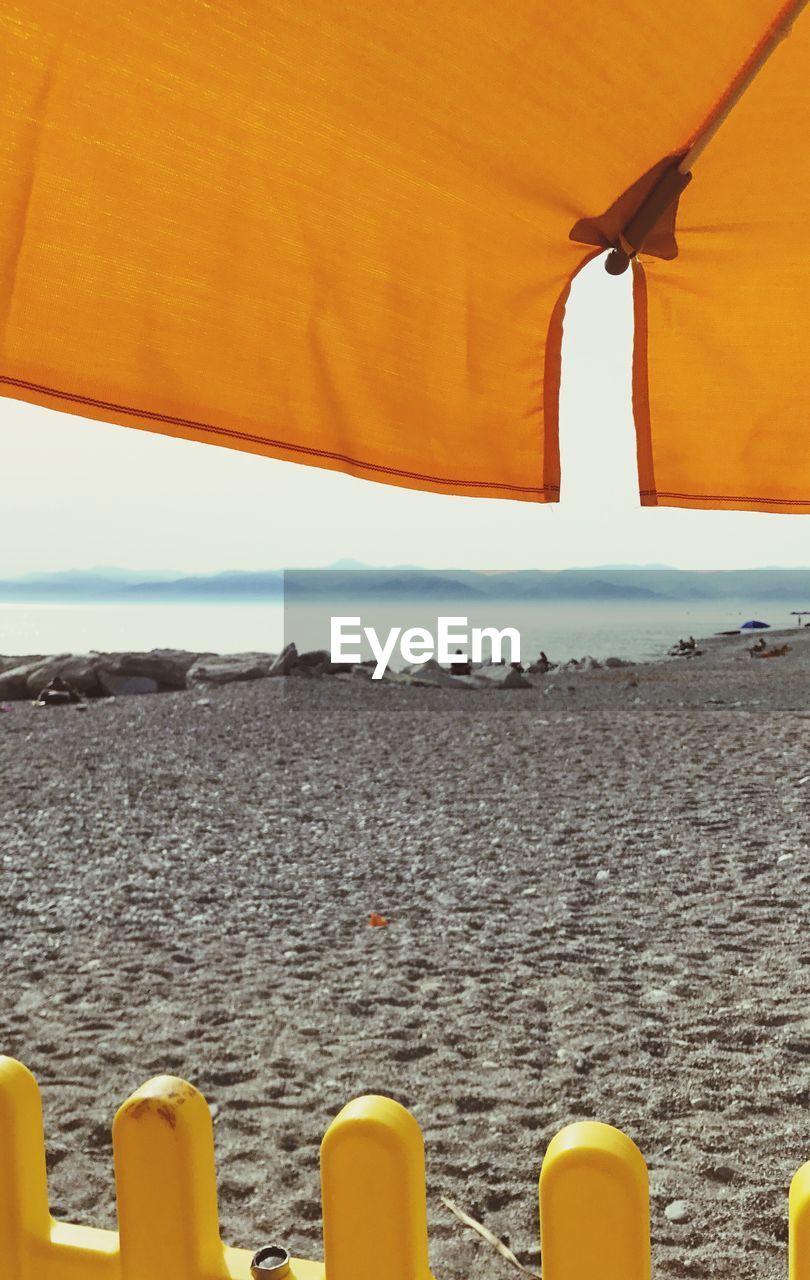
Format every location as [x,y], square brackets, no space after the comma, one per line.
[721,670]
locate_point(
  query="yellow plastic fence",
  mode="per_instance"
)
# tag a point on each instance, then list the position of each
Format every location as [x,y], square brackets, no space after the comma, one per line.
[593,1198]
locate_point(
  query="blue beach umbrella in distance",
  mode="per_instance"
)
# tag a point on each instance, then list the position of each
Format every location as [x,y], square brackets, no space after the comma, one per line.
[755,625]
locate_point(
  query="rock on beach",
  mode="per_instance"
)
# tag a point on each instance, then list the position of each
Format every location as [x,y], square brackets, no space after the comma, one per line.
[722,662]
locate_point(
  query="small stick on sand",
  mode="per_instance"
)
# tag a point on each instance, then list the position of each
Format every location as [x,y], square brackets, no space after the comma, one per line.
[497,1245]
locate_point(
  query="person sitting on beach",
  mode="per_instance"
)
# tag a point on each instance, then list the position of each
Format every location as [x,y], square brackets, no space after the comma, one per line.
[58,692]
[685,648]
[460,666]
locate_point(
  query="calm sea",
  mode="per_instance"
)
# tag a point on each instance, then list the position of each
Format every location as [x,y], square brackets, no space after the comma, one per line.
[562,629]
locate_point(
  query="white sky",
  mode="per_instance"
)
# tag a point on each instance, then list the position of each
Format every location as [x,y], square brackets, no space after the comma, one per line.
[77,493]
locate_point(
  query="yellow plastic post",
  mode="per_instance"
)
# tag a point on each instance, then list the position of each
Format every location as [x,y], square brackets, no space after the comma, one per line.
[25,1220]
[799,1225]
[594,1206]
[168,1222]
[373,1187]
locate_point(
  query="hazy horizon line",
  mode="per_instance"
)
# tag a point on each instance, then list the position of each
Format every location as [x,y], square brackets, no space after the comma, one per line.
[145,574]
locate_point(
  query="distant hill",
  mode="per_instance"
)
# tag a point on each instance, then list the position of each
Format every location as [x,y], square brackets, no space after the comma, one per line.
[122,586]
[233,584]
[383,584]
[106,573]
[786,586]
[527,586]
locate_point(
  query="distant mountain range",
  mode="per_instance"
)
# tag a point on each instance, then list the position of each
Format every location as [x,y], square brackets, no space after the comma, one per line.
[122,586]
[608,583]
[640,584]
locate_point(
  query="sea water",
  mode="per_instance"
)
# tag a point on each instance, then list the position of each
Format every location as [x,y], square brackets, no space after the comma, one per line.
[562,629]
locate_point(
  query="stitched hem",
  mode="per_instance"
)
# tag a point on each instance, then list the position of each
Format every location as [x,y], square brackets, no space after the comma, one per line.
[650,497]
[641,385]
[548,492]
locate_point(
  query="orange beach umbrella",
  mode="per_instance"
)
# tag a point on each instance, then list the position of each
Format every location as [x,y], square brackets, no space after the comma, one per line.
[343,233]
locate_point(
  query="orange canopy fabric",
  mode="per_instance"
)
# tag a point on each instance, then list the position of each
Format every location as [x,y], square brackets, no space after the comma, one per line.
[339,233]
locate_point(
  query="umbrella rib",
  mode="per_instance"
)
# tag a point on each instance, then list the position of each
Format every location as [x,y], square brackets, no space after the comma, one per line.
[749,71]
[674,179]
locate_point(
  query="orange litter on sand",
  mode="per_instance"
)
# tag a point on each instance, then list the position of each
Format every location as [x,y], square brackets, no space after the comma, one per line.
[377,921]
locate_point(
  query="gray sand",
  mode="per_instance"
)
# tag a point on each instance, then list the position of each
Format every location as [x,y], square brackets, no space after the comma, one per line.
[597,904]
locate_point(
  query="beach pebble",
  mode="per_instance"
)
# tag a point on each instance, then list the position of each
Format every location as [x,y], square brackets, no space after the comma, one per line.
[678,1211]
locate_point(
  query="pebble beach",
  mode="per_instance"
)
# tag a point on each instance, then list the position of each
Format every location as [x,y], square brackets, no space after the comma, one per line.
[596,893]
